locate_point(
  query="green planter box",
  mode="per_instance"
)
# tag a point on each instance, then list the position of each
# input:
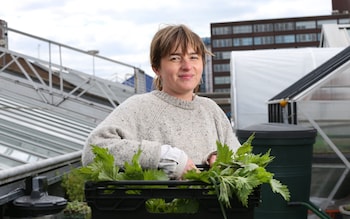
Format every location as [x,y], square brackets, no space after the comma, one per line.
[112,200]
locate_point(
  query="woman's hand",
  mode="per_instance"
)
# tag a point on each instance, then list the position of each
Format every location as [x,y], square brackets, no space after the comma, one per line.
[190,166]
[212,159]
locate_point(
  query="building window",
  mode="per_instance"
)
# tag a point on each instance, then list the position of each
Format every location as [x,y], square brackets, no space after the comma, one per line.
[284,26]
[263,40]
[242,29]
[300,25]
[285,39]
[244,41]
[263,27]
[222,43]
[222,55]
[331,21]
[221,30]
[222,90]
[310,37]
[221,67]
[222,80]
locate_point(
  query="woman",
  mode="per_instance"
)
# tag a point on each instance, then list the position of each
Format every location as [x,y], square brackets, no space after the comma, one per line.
[174,128]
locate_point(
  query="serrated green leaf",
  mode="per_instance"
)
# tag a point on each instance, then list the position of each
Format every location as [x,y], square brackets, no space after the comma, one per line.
[278,187]
[153,174]
[133,170]
[246,147]
[224,154]
[202,176]
[102,154]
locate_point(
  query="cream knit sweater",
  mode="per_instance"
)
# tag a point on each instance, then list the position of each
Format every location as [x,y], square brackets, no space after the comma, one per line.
[148,121]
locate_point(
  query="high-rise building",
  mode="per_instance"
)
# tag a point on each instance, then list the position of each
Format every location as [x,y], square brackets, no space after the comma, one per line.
[267,34]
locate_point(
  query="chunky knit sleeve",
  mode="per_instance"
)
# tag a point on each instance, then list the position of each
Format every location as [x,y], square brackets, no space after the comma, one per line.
[119,132]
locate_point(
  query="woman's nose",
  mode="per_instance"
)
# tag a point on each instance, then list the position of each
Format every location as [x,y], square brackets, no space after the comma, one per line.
[186,64]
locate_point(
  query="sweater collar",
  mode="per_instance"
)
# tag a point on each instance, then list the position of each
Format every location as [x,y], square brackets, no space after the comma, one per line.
[176,101]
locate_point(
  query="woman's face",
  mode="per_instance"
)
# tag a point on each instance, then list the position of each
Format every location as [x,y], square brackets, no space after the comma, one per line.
[180,73]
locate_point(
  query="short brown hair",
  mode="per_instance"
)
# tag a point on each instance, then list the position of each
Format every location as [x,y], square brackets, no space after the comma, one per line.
[170,38]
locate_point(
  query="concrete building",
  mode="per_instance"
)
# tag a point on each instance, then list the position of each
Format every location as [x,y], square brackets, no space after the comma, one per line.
[297,32]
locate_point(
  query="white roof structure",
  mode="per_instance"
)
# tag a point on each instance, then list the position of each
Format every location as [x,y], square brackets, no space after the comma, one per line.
[259,75]
[333,35]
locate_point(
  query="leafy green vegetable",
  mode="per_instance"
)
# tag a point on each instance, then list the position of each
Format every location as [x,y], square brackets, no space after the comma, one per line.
[102,168]
[77,209]
[238,174]
[73,183]
[177,205]
[133,171]
[278,187]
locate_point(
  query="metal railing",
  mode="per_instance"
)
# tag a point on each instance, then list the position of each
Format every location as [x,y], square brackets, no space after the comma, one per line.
[60,61]
[12,181]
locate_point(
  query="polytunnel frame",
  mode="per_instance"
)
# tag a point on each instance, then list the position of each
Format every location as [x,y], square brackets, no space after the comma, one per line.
[337,152]
[284,106]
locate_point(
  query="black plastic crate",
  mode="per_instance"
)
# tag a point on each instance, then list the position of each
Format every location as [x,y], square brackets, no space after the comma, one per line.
[110,200]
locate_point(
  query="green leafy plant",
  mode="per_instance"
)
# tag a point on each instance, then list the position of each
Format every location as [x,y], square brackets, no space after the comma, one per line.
[104,169]
[177,205]
[76,208]
[239,173]
[73,183]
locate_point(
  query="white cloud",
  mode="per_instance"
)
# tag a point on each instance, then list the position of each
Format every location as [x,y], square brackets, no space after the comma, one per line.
[122,30]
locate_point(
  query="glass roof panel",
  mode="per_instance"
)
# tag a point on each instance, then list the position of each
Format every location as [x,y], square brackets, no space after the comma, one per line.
[29,134]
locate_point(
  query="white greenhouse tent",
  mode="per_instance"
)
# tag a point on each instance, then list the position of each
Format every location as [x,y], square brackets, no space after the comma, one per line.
[315,83]
[259,75]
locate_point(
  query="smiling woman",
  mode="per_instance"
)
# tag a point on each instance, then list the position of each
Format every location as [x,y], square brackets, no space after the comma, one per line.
[179,65]
[174,127]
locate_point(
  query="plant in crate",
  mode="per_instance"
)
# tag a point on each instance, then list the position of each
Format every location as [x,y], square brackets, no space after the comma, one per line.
[233,175]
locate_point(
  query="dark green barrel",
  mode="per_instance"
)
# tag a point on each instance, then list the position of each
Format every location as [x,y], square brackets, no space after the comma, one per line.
[292,147]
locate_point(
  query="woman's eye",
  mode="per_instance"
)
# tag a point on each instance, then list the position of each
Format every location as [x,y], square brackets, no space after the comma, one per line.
[194,57]
[175,58]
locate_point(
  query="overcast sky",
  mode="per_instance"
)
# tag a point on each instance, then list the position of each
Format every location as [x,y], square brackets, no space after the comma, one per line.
[122,30]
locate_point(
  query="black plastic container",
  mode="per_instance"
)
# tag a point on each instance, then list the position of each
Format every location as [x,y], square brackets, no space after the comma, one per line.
[111,200]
